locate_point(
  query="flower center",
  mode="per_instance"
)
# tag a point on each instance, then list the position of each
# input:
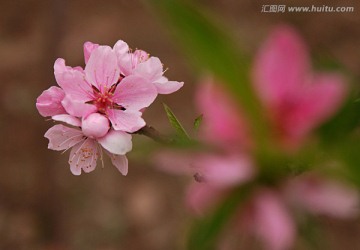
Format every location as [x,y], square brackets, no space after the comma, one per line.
[103,100]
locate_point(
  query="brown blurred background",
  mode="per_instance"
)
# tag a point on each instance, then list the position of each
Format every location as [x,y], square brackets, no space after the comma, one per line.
[42,205]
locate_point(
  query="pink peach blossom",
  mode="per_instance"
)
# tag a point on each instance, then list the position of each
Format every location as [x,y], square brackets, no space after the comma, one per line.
[296,99]
[138,63]
[99,88]
[85,150]
[129,61]
[103,103]
[152,69]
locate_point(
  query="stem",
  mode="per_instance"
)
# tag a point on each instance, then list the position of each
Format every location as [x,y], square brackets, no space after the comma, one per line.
[153,134]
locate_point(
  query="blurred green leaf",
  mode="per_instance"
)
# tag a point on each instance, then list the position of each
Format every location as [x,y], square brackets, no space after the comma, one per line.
[211,48]
[197,122]
[348,152]
[326,61]
[341,125]
[204,233]
[310,231]
[180,131]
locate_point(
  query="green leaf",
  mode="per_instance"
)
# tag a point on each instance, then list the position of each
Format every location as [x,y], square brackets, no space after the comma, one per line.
[342,124]
[197,122]
[180,131]
[348,151]
[204,233]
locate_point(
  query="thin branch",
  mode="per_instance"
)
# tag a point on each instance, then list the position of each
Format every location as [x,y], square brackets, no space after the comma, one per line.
[154,134]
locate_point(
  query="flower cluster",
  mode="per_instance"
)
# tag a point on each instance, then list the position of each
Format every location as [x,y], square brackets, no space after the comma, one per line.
[296,102]
[102,104]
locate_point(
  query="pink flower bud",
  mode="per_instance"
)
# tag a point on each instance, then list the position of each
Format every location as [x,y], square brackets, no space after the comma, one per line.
[95,125]
[49,102]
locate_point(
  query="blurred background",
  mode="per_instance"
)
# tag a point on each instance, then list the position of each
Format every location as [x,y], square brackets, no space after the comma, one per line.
[42,205]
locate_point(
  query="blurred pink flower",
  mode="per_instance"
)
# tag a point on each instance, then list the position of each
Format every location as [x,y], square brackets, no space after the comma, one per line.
[267,217]
[223,121]
[320,196]
[87,149]
[269,213]
[225,129]
[296,99]
[215,175]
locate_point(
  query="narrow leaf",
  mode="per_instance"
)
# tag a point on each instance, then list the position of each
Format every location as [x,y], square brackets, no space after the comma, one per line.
[197,122]
[180,130]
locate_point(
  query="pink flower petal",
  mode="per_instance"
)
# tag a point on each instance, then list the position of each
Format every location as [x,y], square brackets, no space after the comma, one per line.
[76,107]
[71,120]
[315,104]
[125,64]
[89,47]
[151,69]
[164,86]
[140,56]
[120,162]
[127,121]
[224,171]
[72,81]
[62,137]
[201,197]
[102,69]
[83,156]
[320,196]
[121,48]
[223,122]
[134,93]
[116,142]
[272,222]
[281,66]
[49,102]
